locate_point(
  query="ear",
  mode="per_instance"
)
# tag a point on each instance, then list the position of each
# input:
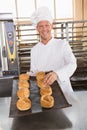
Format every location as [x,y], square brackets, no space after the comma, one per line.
[37,29]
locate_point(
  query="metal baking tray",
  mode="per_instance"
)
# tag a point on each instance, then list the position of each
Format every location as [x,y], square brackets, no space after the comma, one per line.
[59,99]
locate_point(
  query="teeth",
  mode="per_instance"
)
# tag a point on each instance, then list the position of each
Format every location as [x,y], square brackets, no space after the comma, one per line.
[45,33]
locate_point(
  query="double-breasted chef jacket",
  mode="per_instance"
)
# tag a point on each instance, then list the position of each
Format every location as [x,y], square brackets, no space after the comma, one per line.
[55,56]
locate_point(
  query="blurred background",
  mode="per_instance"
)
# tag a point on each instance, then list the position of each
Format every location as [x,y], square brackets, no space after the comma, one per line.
[61,10]
[70,23]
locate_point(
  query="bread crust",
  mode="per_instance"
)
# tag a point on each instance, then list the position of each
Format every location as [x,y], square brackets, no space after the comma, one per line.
[47,101]
[41,84]
[24,77]
[40,75]
[23,104]
[46,90]
[23,84]
[23,93]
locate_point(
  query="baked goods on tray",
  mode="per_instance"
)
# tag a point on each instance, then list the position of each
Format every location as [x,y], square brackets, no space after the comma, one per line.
[24,76]
[40,75]
[23,93]
[47,101]
[23,104]
[41,84]
[23,84]
[46,90]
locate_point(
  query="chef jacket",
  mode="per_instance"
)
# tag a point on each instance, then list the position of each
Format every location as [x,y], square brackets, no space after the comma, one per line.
[55,56]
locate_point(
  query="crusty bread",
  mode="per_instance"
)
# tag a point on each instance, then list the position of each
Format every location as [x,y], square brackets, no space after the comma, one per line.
[23,93]
[23,104]
[46,90]
[41,84]
[47,101]
[24,76]
[23,84]
[40,75]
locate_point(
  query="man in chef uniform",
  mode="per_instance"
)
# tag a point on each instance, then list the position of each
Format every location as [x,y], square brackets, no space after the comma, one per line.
[50,54]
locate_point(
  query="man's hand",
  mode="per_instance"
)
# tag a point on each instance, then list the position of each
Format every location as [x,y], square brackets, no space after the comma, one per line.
[50,78]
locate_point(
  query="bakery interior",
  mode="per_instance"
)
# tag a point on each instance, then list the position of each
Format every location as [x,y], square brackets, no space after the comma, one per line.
[17,37]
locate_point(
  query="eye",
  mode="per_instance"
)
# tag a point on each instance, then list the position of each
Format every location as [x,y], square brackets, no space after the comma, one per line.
[40,27]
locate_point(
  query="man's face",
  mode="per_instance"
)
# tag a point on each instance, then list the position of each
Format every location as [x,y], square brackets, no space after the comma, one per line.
[44,29]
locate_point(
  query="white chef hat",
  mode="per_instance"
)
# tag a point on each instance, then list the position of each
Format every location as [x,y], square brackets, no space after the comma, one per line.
[42,13]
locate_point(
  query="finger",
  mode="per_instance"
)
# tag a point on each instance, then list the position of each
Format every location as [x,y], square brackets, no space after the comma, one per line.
[47,77]
[49,80]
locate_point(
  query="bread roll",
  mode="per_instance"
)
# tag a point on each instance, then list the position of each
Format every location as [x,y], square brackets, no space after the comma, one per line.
[46,91]
[23,93]
[41,84]
[47,101]
[40,75]
[23,104]
[24,77]
[23,84]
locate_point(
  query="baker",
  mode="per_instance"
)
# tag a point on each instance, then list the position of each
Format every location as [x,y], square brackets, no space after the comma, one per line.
[49,54]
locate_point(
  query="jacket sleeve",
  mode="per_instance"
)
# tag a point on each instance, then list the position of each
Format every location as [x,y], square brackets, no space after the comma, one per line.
[70,64]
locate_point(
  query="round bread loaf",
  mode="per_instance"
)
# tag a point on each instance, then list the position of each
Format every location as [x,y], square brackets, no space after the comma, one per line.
[23,104]
[23,93]
[23,84]
[46,90]
[24,76]
[47,101]
[41,84]
[40,75]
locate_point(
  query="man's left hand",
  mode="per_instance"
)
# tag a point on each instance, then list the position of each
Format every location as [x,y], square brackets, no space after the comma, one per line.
[50,78]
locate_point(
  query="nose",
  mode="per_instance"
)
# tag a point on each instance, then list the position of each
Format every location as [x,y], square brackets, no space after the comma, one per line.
[44,28]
